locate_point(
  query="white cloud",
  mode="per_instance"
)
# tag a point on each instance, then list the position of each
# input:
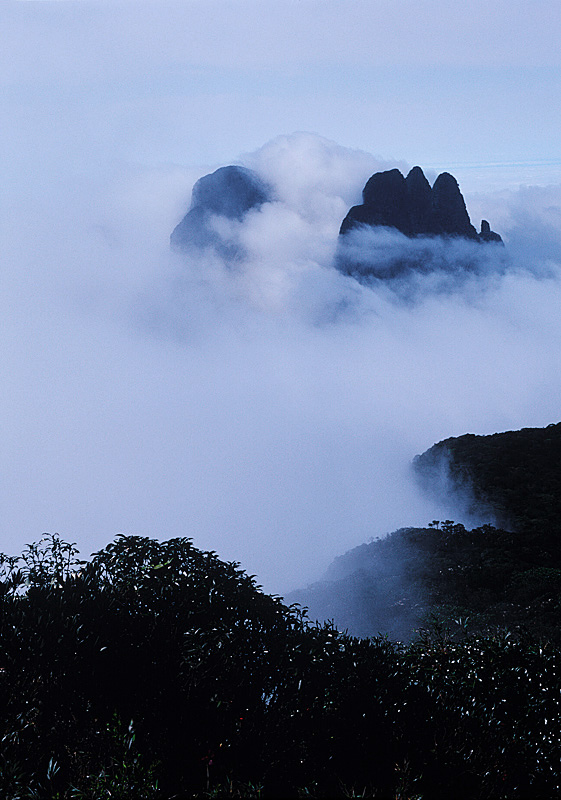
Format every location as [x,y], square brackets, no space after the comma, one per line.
[269,411]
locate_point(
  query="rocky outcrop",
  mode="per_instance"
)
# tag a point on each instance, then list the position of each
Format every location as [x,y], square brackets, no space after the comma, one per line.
[487,235]
[449,216]
[419,200]
[413,208]
[229,192]
[385,203]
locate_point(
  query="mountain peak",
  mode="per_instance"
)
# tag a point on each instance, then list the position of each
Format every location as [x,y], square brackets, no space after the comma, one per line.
[449,216]
[410,206]
[419,200]
[228,192]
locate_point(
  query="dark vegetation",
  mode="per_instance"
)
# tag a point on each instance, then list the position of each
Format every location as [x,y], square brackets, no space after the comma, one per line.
[516,475]
[508,576]
[156,671]
[486,577]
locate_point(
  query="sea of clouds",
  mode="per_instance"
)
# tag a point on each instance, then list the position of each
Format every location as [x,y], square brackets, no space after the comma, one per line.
[267,408]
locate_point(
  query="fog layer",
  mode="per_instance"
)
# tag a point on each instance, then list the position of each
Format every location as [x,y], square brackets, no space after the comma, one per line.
[269,409]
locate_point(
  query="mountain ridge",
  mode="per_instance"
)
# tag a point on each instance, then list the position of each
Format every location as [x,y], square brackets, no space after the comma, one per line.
[506,576]
[412,207]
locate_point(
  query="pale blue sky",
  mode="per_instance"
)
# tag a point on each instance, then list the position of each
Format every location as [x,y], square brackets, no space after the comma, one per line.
[197,82]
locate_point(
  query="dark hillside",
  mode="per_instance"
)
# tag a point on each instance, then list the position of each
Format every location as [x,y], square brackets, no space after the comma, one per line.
[517,473]
[155,671]
[492,577]
[485,577]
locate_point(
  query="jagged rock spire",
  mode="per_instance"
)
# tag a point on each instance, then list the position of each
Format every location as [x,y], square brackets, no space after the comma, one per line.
[487,235]
[412,207]
[419,200]
[449,215]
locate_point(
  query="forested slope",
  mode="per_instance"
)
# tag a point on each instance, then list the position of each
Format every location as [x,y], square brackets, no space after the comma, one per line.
[157,672]
[508,576]
[517,473]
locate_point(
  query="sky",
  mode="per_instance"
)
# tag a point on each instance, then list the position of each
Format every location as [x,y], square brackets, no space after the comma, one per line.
[269,413]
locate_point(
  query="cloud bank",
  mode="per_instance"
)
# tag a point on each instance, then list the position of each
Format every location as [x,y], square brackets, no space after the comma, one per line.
[268,408]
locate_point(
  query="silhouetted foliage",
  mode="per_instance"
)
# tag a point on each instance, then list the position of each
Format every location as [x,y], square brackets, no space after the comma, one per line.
[517,474]
[491,576]
[155,670]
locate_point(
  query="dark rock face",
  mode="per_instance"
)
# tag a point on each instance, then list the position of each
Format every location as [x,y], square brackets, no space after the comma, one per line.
[419,200]
[449,216]
[487,235]
[229,192]
[438,233]
[384,202]
[413,208]
[385,197]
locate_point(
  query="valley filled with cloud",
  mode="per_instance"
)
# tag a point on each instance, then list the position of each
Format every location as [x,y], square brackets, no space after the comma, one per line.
[267,406]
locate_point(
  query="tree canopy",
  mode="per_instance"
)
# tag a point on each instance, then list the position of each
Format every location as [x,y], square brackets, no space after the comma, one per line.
[155,670]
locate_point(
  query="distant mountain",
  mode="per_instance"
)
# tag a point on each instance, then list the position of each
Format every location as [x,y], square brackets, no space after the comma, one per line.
[488,576]
[229,192]
[414,208]
[428,219]
[431,218]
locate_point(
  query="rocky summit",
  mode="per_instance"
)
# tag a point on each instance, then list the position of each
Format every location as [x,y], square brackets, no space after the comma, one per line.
[423,229]
[228,192]
[411,206]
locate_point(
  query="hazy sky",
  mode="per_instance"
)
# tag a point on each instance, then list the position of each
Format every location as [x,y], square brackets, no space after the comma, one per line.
[200,81]
[270,414]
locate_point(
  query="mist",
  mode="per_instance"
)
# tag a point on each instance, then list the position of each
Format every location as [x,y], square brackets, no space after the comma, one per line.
[268,408]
